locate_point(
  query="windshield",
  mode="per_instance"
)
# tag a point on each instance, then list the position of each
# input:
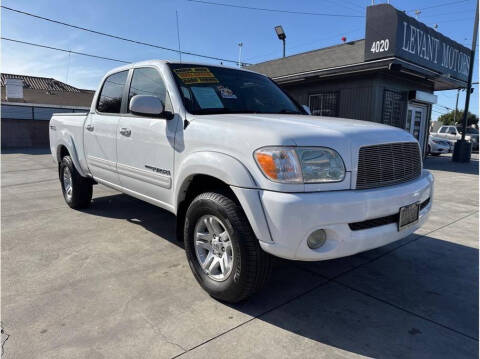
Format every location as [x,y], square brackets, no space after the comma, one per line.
[215,90]
[470,130]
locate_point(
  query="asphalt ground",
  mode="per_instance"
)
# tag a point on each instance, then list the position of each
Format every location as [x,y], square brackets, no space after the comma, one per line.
[112,282]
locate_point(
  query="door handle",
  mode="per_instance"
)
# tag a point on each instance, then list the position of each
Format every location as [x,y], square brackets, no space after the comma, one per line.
[125,131]
[90,127]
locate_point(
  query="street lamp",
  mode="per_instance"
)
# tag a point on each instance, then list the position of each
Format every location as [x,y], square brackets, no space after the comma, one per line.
[281,35]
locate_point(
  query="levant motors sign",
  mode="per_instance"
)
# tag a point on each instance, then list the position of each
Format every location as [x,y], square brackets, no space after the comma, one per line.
[392,33]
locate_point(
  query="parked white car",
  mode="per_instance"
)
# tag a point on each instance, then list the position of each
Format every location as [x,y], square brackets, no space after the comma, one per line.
[436,146]
[454,133]
[245,169]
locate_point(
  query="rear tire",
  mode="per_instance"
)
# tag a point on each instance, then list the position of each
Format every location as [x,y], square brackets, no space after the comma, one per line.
[248,266]
[77,190]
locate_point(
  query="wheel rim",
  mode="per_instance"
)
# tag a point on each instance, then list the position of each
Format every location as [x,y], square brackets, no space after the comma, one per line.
[213,248]
[67,182]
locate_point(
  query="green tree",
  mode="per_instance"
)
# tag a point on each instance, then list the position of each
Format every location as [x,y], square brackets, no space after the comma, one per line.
[451,118]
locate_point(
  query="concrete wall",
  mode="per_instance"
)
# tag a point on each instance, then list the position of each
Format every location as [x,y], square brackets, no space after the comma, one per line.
[24,125]
[24,133]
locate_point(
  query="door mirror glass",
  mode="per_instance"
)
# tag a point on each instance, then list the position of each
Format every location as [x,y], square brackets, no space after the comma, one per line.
[146,105]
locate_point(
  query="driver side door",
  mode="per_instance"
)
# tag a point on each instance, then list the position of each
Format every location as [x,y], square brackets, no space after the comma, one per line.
[145,143]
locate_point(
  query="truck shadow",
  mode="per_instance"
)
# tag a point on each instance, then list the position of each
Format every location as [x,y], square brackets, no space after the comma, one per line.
[380,305]
[154,219]
[395,301]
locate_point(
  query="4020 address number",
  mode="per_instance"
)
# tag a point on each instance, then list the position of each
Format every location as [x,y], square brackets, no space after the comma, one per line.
[380,46]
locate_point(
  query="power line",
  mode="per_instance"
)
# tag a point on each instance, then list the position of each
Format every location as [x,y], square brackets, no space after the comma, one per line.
[439,5]
[463,12]
[443,107]
[310,13]
[272,10]
[115,36]
[64,50]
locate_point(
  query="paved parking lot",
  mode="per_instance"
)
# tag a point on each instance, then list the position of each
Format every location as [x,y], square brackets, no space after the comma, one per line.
[112,282]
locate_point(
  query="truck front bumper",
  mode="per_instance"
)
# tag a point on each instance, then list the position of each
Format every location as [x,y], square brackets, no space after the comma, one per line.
[292,217]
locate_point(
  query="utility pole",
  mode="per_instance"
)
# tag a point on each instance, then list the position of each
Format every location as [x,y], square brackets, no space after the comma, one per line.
[456,108]
[463,149]
[240,45]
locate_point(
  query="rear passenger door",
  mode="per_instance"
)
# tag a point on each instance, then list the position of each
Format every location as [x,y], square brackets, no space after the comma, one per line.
[101,129]
[145,144]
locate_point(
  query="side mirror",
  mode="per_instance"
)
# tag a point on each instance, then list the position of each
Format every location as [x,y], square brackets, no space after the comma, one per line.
[307,109]
[147,105]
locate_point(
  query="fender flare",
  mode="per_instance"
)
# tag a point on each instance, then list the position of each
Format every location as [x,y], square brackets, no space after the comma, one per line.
[215,164]
[69,144]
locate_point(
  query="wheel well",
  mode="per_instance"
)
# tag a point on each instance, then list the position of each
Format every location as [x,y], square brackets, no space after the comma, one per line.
[192,187]
[62,152]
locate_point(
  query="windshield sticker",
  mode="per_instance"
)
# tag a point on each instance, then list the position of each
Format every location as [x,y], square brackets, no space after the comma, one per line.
[207,97]
[196,75]
[225,92]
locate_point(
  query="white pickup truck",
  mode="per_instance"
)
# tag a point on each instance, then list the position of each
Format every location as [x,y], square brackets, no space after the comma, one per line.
[247,171]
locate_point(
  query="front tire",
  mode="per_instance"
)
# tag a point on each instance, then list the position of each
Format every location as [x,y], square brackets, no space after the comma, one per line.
[222,250]
[77,190]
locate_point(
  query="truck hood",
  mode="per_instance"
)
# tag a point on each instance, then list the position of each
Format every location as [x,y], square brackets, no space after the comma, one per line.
[346,136]
[239,135]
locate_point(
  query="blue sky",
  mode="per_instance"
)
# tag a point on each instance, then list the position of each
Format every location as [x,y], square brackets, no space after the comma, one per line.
[205,29]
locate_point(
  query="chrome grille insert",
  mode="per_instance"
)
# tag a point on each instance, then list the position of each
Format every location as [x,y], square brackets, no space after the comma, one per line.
[388,164]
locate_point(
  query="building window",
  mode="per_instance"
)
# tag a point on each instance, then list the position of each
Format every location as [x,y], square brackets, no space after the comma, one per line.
[324,104]
[394,106]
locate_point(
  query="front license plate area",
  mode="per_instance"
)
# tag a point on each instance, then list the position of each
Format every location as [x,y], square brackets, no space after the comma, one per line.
[408,216]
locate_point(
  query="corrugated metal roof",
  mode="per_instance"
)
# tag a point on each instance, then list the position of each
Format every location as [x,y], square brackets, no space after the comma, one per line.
[339,55]
[40,83]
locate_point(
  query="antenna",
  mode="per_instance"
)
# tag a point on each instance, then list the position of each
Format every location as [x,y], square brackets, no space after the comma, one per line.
[68,67]
[178,37]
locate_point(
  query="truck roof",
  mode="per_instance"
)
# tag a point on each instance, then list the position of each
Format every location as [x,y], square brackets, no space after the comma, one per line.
[162,62]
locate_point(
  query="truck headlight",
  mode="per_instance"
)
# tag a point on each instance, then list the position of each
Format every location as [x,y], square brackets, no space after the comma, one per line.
[300,164]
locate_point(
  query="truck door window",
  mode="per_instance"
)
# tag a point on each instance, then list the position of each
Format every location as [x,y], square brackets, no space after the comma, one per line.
[443,130]
[110,99]
[147,81]
[453,131]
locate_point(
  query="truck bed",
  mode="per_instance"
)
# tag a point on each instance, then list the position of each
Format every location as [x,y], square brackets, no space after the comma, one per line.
[67,129]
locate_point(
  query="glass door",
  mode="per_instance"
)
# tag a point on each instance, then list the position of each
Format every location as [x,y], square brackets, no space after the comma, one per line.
[416,122]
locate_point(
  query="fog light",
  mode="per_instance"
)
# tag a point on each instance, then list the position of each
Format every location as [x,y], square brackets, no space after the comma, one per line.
[317,239]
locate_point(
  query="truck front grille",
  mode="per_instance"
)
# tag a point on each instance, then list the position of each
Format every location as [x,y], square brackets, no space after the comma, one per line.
[388,164]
